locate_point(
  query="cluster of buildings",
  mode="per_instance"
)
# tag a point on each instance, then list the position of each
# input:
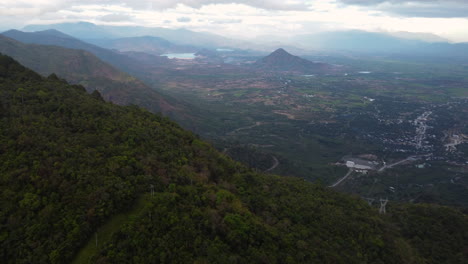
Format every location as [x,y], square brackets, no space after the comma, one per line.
[361,165]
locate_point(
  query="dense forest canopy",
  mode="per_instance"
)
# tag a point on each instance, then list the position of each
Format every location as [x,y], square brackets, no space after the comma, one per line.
[72,163]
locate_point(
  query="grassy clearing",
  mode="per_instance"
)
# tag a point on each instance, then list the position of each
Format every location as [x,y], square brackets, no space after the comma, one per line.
[104,233]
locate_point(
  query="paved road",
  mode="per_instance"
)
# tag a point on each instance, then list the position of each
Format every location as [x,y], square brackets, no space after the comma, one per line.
[421,128]
[410,158]
[342,179]
[244,128]
[275,164]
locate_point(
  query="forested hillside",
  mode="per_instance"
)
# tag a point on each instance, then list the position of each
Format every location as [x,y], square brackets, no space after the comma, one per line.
[70,163]
[81,67]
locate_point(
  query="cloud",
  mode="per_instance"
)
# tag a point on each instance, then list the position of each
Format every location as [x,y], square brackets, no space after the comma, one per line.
[378,2]
[115,18]
[226,21]
[250,18]
[263,4]
[442,12]
[415,8]
[184,19]
[40,7]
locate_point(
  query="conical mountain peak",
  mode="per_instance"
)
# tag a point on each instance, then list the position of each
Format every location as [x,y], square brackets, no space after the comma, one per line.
[281,51]
[281,60]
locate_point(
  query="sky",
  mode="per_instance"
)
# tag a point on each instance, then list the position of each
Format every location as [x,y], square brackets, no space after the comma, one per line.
[253,19]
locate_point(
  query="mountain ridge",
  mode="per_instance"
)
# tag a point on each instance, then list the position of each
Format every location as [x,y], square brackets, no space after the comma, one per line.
[86,30]
[147,44]
[82,67]
[45,37]
[364,42]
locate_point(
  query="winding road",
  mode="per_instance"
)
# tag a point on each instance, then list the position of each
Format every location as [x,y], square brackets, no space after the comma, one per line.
[275,164]
[342,179]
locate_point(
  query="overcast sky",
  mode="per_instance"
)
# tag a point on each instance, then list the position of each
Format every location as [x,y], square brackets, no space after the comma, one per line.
[250,19]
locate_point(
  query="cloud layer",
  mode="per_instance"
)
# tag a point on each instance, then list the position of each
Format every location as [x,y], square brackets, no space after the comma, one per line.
[250,18]
[416,8]
[8,7]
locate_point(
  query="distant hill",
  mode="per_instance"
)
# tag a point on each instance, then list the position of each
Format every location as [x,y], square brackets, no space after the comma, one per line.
[54,37]
[382,44]
[82,30]
[426,37]
[355,40]
[82,67]
[147,44]
[85,31]
[76,65]
[281,60]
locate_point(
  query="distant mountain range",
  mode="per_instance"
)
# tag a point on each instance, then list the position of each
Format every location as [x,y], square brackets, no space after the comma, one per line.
[381,43]
[89,31]
[76,66]
[147,44]
[57,38]
[281,60]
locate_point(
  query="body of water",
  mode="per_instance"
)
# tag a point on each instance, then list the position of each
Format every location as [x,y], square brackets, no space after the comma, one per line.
[183,56]
[224,50]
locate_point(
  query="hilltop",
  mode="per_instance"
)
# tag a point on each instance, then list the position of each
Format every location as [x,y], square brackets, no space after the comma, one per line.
[281,60]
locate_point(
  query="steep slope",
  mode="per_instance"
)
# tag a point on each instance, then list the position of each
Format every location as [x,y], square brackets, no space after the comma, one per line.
[149,60]
[56,38]
[75,65]
[81,67]
[434,231]
[281,60]
[71,162]
[147,44]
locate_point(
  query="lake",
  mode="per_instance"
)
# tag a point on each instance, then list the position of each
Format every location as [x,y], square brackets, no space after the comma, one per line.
[224,50]
[182,56]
